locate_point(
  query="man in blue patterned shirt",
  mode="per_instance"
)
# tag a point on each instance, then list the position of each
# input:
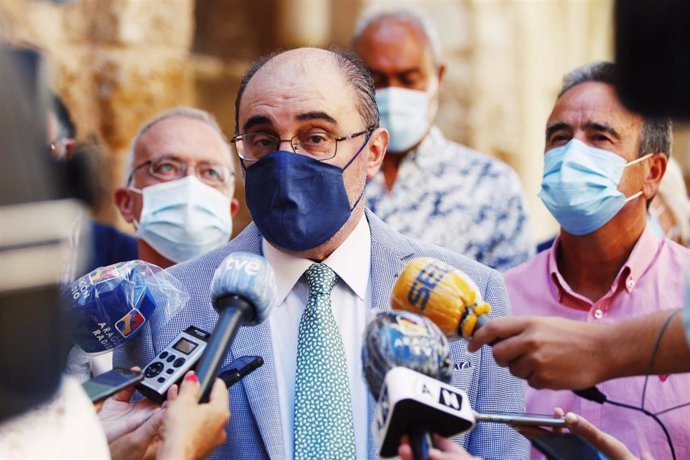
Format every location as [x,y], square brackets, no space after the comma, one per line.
[429,187]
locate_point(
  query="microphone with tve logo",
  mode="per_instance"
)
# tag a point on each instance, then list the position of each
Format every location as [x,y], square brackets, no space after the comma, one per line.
[108,306]
[243,292]
[407,367]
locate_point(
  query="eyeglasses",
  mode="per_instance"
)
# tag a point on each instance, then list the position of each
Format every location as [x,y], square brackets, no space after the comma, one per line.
[170,168]
[319,145]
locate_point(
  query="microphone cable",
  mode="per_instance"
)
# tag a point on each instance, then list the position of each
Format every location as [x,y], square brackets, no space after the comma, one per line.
[595,395]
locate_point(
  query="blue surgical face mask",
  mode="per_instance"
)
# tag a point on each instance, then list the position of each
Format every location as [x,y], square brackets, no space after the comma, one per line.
[184,218]
[406,114]
[580,186]
[297,203]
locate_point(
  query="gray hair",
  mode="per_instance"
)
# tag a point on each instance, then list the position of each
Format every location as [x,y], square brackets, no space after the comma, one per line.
[656,133]
[178,112]
[353,70]
[410,16]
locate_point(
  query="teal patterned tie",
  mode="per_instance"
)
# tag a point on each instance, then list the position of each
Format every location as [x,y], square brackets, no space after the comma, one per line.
[323,409]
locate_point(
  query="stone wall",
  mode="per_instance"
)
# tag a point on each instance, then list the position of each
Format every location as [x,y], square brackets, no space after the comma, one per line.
[118,62]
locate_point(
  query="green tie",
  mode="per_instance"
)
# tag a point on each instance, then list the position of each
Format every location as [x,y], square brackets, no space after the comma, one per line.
[323,409]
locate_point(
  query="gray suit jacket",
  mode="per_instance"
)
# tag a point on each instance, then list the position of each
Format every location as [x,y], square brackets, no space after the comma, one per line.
[254,429]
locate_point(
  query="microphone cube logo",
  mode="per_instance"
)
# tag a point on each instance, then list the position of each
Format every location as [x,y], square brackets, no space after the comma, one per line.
[450,399]
[103,274]
[129,323]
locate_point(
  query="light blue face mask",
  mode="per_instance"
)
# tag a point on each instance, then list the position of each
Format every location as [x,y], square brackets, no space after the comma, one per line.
[580,186]
[406,114]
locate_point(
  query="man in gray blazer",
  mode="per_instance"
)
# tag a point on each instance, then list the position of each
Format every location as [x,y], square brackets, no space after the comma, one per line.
[308,138]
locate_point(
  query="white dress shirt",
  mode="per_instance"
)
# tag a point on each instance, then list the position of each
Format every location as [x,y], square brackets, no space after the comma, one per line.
[350,300]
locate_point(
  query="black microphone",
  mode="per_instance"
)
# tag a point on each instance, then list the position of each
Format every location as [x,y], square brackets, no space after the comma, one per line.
[243,292]
[407,366]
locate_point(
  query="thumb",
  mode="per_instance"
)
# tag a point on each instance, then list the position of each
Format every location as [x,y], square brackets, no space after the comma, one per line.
[607,444]
[190,387]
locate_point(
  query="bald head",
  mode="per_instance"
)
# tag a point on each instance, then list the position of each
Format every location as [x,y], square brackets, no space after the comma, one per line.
[344,71]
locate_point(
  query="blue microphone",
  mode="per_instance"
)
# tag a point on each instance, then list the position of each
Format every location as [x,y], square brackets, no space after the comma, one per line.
[243,293]
[108,306]
[407,366]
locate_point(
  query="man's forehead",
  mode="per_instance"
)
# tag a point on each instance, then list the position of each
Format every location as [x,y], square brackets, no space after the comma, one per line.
[301,75]
[187,138]
[591,102]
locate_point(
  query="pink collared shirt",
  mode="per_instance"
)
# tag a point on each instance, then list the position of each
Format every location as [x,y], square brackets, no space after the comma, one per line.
[652,279]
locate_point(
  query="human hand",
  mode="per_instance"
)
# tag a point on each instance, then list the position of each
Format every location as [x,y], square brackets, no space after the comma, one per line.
[192,430]
[445,450]
[119,417]
[548,352]
[611,447]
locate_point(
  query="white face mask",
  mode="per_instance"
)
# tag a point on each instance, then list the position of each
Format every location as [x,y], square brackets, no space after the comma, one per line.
[406,114]
[184,218]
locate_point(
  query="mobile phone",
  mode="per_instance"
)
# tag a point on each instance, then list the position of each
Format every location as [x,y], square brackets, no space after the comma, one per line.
[564,446]
[172,363]
[239,368]
[109,383]
[511,418]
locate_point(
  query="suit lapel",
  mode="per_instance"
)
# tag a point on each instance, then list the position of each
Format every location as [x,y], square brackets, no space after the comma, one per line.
[389,251]
[262,395]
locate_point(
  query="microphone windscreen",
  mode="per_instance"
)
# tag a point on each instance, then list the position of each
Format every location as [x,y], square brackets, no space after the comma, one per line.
[249,276]
[399,338]
[109,305]
[436,290]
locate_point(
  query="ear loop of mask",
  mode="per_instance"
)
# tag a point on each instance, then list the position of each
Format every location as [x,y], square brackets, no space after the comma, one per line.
[366,141]
[638,194]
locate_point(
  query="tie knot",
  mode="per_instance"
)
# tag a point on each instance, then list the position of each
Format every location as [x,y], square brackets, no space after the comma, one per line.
[321,278]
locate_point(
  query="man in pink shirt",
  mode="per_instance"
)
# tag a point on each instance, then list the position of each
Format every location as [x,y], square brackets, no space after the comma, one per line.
[602,166]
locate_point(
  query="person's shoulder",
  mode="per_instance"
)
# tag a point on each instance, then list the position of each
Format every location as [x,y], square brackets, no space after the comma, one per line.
[203,266]
[476,160]
[527,269]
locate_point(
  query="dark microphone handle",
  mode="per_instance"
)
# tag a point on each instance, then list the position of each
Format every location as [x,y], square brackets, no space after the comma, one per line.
[420,442]
[233,310]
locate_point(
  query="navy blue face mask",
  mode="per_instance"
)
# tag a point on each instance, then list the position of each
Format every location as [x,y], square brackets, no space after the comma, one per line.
[297,202]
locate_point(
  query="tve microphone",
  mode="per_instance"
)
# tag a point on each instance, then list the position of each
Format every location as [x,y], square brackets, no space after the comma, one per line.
[443,294]
[407,365]
[109,305]
[243,292]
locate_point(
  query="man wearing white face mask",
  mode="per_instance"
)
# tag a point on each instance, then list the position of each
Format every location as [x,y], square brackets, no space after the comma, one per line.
[429,187]
[602,166]
[179,187]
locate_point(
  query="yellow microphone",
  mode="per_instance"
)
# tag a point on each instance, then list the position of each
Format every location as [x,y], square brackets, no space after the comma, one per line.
[445,295]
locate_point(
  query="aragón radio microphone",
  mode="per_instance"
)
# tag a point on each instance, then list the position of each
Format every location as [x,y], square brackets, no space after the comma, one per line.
[450,299]
[407,365]
[109,305]
[243,292]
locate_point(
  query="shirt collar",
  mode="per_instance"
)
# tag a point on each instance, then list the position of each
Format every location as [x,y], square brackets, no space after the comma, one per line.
[637,264]
[351,261]
[423,155]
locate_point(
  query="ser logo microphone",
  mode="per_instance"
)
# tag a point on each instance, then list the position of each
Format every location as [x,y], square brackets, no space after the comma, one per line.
[427,279]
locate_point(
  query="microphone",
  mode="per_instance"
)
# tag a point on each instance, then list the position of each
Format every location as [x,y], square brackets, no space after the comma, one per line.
[243,293]
[109,305]
[407,367]
[443,294]
[451,299]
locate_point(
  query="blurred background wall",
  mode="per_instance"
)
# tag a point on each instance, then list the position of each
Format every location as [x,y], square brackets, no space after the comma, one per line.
[118,62]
